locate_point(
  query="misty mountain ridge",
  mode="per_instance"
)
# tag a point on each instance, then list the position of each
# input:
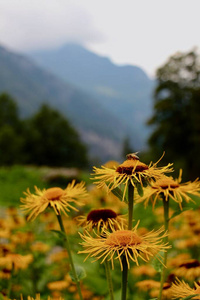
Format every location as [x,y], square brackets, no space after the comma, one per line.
[124,91]
[93,104]
[31,86]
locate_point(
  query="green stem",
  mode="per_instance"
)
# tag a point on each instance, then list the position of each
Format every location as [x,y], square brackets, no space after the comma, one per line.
[130,205]
[10,282]
[109,279]
[130,225]
[70,256]
[166,224]
[124,278]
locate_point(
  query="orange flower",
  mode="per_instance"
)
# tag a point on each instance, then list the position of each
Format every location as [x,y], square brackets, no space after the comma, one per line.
[131,171]
[124,243]
[60,200]
[170,188]
[181,290]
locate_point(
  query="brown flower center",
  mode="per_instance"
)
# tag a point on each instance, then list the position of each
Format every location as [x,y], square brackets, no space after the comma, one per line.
[191,264]
[166,286]
[101,214]
[123,238]
[6,271]
[53,194]
[131,166]
[165,183]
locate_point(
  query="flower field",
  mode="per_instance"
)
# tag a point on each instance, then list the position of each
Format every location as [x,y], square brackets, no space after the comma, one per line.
[128,231]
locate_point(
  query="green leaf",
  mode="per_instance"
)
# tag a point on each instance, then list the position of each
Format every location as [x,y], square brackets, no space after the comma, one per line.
[177,213]
[156,264]
[153,299]
[80,273]
[190,297]
[139,189]
[119,194]
[145,182]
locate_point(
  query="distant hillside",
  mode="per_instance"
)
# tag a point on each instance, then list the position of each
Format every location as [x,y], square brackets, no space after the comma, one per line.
[31,86]
[124,91]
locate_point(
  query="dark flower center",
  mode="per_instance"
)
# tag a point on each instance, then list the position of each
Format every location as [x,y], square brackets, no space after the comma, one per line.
[6,271]
[166,286]
[131,165]
[101,214]
[192,264]
[165,183]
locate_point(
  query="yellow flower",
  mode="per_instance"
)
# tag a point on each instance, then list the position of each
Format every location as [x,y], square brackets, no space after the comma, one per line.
[58,285]
[170,188]
[189,269]
[147,284]
[125,243]
[58,255]
[5,273]
[144,270]
[16,261]
[37,297]
[131,171]
[59,199]
[166,292]
[177,260]
[188,243]
[181,290]
[40,247]
[101,219]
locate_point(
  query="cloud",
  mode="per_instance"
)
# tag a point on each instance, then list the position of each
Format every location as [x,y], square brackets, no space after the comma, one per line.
[26,24]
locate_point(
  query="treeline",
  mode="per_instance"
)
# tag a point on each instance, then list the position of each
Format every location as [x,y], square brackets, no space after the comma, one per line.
[46,138]
[176,118]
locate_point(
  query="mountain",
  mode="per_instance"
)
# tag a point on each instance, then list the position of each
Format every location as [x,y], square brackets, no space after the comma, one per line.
[31,85]
[125,91]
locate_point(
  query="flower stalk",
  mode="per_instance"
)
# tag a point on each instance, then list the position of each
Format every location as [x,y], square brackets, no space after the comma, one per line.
[124,278]
[130,225]
[70,256]
[166,225]
[130,205]
[109,279]
[10,282]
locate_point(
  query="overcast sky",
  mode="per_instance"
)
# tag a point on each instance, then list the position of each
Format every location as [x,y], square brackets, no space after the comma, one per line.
[137,32]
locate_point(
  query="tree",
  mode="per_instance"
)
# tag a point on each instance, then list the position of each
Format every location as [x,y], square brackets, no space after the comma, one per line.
[11,139]
[8,111]
[52,141]
[177,112]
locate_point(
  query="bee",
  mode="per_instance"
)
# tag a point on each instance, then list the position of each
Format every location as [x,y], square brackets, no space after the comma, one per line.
[132,156]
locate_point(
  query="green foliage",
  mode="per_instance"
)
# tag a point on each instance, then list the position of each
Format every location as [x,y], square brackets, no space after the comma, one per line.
[156,264]
[8,111]
[177,113]
[14,180]
[11,141]
[119,194]
[80,272]
[50,140]
[47,138]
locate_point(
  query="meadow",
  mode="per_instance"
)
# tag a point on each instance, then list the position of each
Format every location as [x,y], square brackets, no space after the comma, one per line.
[34,260]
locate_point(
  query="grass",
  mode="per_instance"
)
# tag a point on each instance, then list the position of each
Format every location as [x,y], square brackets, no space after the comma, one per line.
[16,179]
